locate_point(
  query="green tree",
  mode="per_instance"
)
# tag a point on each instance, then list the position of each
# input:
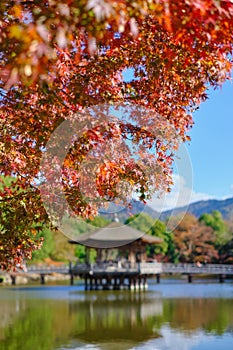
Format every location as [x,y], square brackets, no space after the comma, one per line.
[165,249]
[141,222]
[98,221]
[219,226]
[83,256]
[226,252]
[48,248]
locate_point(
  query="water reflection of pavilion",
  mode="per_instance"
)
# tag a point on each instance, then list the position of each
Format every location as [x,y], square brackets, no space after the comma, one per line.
[129,245]
[125,317]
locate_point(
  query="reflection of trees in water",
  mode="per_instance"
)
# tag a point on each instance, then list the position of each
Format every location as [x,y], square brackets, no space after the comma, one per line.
[9,311]
[31,329]
[113,320]
[211,315]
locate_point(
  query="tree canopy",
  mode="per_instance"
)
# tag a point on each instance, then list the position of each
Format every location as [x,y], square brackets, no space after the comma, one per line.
[67,61]
[217,223]
[194,241]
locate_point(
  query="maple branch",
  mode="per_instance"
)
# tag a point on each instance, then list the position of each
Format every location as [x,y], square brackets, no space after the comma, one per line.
[59,99]
[5,199]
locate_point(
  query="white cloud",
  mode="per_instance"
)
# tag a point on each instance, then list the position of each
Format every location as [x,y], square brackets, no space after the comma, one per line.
[181,194]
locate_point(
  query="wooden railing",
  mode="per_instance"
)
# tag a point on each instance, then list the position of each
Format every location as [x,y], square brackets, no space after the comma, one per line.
[48,269]
[157,268]
[198,269]
[143,268]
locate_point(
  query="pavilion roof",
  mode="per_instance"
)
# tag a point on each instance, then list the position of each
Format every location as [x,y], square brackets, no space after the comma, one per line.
[114,235]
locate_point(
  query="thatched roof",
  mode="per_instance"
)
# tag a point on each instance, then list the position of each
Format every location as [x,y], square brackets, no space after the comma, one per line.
[114,235]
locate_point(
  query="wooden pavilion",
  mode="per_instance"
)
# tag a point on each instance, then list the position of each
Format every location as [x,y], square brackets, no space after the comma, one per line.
[108,273]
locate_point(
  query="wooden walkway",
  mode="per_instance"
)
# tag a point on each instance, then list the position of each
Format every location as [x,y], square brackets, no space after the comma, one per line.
[154,268]
[117,276]
[113,276]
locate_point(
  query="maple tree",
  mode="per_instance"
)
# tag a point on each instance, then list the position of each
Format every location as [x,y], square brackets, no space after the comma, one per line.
[20,223]
[194,241]
[66,61]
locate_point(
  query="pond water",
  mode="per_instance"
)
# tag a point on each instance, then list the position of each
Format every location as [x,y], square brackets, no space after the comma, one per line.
[173,315]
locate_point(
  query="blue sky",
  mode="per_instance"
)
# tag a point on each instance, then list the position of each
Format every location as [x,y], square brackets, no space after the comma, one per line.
[211,148]
[205,167]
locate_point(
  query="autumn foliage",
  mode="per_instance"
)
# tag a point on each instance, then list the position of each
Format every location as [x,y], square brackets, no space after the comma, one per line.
[194,241]
[60,59]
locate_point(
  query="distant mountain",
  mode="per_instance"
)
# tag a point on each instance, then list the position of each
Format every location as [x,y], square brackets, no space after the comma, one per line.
[197,209]
[225,207]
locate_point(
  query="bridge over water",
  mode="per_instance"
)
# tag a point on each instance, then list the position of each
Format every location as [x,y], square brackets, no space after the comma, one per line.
[138,274]
[117,276]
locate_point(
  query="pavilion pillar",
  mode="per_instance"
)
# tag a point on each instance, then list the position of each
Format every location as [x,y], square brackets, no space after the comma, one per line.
[96,283]
[13,279]
[106,254]
[144,282]
[86,282]
[99,255]
[190,278]
[87,259]
[91,282]
[132,257]
[221,278]
[143,256]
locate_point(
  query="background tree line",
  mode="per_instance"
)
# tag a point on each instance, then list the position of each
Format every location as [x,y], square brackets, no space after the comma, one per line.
[208,239]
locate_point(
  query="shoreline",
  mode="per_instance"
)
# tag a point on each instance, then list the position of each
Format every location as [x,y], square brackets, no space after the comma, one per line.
[6,279]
